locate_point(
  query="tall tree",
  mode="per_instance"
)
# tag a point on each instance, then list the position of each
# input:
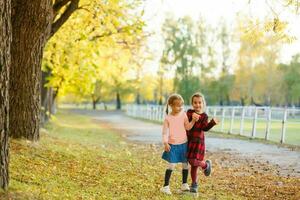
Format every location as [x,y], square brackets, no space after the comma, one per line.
[257,69]
[201,39]
[291,82]
[182,52]
[33,24]
[226,80]
[139,56]
[244,82]
[5,63]
[119,81]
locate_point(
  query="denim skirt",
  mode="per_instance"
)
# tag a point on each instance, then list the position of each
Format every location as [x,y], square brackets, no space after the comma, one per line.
[177,154]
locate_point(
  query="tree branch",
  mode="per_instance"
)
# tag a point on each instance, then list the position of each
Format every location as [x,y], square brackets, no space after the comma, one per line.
[64,17]
[59,4]
[109,33]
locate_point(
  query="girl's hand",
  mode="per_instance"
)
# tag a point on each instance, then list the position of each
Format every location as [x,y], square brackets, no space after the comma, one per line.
[215,120]
[167,147]
[195,117]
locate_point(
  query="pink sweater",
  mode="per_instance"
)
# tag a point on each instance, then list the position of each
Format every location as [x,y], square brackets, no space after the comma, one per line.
[174,128]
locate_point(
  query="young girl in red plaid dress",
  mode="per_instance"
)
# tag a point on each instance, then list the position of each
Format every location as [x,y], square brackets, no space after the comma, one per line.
[196,139]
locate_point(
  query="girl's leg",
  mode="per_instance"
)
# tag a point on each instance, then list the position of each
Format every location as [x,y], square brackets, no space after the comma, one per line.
[170,168]
[194,170]
[194,186]
[185,172]
[203,164]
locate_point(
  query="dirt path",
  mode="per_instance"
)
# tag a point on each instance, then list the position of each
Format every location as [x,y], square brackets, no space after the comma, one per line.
[286,161]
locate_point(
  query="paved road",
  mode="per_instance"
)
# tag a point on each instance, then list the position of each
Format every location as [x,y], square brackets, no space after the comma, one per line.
[146,132]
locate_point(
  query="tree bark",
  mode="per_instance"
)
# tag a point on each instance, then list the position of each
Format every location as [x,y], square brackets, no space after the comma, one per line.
[138,98]
[31,25]
[94,105]
[221,101]
[95,101]
[161,83]
[228,99]
[44,98]
[48,96]
[242,101]
[53,102]
[118,101]
[5,63]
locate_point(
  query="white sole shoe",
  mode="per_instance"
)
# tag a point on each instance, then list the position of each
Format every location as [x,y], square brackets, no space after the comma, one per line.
[166,190]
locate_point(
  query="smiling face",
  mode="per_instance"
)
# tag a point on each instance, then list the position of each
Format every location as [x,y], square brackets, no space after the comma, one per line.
[197,103]
[176,106]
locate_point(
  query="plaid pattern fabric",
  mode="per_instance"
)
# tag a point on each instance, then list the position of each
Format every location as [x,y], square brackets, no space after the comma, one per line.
[196,138]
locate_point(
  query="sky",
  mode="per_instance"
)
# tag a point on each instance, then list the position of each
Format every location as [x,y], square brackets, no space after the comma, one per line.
[213,11]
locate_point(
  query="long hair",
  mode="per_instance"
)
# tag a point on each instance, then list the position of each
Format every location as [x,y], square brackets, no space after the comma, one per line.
[199,94]
[171,100]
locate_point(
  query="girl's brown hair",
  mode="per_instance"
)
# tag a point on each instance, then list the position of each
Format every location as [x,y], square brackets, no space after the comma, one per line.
[171,100]
[199,94]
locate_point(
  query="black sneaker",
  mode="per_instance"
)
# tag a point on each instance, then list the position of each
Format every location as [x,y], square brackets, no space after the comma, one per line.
[194,188]
[208,169]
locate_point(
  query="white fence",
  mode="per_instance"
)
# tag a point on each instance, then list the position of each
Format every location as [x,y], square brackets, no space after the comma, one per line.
[269,123]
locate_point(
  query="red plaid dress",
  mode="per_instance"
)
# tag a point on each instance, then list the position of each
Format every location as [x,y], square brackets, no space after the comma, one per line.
[196,138]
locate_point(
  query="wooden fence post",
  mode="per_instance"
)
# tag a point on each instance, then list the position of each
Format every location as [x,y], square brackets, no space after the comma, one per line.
[223,118]
[215,111]
[254,123]
[269,114]
[231,120]
[242,121]
[282,140]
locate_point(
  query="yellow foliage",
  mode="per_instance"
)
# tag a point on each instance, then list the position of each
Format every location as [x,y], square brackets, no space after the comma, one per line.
[90,55]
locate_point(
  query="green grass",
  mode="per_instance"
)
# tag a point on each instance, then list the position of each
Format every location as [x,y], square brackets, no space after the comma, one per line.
[292,135]
[77,158]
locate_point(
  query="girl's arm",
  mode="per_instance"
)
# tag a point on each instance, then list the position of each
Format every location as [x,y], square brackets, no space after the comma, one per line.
[208,125]
[189,125]
[165,135]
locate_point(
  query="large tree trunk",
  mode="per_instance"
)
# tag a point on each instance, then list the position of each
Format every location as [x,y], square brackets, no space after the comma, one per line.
[31,25]
[5,62]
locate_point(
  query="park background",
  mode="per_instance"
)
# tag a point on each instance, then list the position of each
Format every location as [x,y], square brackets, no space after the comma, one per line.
[69,64]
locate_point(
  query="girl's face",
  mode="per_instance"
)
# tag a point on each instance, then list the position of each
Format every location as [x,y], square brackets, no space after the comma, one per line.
[176,106]
[197,104]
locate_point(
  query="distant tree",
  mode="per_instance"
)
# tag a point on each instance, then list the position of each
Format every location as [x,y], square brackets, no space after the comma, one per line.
[291,81]
[181,51]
